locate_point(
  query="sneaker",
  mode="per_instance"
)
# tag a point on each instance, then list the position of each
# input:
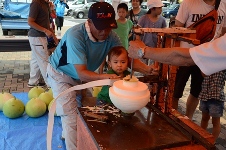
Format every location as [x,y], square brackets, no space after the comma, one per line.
[34,85]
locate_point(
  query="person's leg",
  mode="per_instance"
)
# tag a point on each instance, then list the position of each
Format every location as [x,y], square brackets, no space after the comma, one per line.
[216,109]
[216,127]
[66,105]
[61,19]
[205,120]
[196,87]
[57,22]
[191,104]
[62,22]
[205,113]
[41,56]
[182,77]
[34,69]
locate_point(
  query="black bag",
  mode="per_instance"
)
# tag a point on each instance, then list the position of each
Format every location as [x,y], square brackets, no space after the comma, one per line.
[206,26]
[51,43]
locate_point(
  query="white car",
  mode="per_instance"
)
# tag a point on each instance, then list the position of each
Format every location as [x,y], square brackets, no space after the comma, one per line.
[165,3]
[1,5]
[72,5]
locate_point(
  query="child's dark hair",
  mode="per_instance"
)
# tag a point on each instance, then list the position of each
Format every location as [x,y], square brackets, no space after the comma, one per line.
[141,1]
[122,5]
[116,51]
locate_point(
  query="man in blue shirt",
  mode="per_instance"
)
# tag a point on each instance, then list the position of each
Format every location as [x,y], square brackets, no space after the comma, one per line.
[80,52]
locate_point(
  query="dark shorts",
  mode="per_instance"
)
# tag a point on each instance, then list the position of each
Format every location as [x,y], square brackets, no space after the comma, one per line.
[183,74]
[214,107]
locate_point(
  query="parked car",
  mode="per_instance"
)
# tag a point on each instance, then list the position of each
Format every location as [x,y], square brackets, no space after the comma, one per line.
[70,1]
[82,12]
[1,4]
[171,11]
[72,5]
[165,3]
[76,4]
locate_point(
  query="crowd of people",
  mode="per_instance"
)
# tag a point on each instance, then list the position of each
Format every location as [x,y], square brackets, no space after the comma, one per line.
[85,47]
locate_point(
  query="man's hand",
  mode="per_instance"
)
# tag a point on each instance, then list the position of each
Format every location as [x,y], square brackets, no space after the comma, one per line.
[152,70]
[111,76]
[134,47]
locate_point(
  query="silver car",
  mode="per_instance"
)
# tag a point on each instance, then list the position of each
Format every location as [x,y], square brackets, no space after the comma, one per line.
[82,12]
[75,5]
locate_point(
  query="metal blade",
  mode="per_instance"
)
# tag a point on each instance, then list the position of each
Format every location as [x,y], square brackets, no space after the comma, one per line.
[131,67]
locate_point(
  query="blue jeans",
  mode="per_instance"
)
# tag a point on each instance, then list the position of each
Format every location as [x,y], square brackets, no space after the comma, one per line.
[213,107]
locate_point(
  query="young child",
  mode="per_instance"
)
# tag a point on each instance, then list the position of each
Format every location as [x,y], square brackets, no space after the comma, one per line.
[152,19]
[124,27]
[212,101]
[118,62]
[124,24]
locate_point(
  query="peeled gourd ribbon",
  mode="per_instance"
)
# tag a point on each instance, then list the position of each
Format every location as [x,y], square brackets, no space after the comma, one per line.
[53,106]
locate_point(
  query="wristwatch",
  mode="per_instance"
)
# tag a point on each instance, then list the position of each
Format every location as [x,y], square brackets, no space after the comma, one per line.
[141,52]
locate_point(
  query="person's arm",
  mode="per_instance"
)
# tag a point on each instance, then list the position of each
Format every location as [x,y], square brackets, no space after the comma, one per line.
[175,56]
[87,76]
[67,6]
[141,67]
[178,23]
[223,31]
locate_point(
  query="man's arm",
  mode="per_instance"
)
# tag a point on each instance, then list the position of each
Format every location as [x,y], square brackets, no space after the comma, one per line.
[141,67]
[175,56]
[178,23]
[223,31]
[87,76]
